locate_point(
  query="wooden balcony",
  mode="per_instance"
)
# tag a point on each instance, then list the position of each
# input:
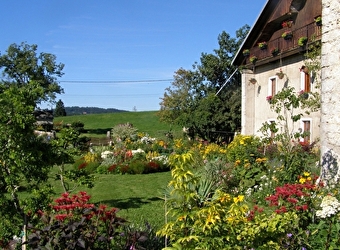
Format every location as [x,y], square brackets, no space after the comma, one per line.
[286,47]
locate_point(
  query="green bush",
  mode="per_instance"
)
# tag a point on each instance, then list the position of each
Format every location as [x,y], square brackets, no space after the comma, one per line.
[122,132]
[91,167]
[136,166]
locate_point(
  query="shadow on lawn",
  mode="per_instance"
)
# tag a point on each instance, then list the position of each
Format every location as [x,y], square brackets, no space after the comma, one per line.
[98,131]
[135,202]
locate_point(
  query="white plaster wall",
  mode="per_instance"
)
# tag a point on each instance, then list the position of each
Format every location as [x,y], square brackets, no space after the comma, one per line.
[330,89]
[257,109]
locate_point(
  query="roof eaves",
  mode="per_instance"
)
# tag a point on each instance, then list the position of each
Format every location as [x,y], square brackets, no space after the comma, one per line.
[249,33]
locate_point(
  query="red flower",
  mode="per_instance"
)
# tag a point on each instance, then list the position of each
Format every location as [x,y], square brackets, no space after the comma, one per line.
[83,165]
[112,168]
[61,217]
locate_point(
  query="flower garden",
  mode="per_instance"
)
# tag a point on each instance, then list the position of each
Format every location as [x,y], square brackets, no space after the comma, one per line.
[250,194]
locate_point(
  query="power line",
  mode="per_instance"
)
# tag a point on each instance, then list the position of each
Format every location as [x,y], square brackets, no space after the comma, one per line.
[115,81]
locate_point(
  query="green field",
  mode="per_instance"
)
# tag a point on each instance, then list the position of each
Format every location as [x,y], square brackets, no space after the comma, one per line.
[97,125]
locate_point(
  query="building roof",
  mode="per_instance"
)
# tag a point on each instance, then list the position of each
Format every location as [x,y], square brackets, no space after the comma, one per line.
[268,25]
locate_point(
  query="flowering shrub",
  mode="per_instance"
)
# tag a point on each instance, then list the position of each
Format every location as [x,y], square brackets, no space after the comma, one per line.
[211,150]
[122,132]
[76,224]
[330,206]
[224,221]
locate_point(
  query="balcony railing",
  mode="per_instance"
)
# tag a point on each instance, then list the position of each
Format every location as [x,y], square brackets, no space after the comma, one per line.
[311,31]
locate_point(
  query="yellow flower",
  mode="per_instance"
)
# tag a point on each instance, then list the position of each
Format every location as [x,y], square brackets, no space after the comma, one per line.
[302,180]
[181,218]
[230,219]
[260,160]
[178,143]
[237,162]
[239,198]
[306,174]
[225,198]
[309,178]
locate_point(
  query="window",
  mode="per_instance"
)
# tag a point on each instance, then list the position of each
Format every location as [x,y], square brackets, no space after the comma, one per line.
[272,86]
[306,130]
[305,79]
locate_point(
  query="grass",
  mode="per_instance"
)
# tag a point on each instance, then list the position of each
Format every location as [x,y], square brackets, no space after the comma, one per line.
[97,125]
[139,197]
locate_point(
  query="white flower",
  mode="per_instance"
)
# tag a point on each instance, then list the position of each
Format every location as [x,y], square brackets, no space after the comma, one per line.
[147,140]
[16,239]
[137,151]
[249,191]
[264,177]
[106,154]
[330,206]
[161,158]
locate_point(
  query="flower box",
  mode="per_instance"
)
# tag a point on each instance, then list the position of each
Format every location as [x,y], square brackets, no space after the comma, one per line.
[275,51]
[280,74]
[246,52]
[253,59]
[318,21]
[287,35]
[287,24]
[302,41]
[262,45]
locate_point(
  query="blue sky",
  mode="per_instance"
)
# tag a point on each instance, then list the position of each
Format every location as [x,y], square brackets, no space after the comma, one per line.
[122,53]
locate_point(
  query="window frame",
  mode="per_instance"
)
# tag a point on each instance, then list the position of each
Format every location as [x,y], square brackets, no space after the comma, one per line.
[303,77]
[270,86]
[302,126]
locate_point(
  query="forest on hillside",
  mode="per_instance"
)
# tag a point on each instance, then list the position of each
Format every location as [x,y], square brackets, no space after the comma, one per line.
[75,110]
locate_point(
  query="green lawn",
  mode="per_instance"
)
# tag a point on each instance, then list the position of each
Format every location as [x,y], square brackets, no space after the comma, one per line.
[98,124]
[139,197]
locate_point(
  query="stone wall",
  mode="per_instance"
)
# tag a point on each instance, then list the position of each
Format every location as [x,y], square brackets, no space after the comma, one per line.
[330,90]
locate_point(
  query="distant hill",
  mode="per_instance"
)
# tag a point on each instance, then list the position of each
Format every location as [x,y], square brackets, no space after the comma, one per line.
[75,110]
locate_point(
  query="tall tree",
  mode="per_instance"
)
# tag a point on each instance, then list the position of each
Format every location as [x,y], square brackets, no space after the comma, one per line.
[59,109]
[25,159]
[192,100]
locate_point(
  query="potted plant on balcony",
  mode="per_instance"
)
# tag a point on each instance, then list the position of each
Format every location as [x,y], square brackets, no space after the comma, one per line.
[287,35]
[262,45]
[302,41]
[252,80]
[246,52]
[269,98]
[253,59]
[280,74]
[318,20]
[287,24]
[275,51]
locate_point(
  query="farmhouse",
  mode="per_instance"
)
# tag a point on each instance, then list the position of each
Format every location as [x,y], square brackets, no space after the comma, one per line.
[273,57]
